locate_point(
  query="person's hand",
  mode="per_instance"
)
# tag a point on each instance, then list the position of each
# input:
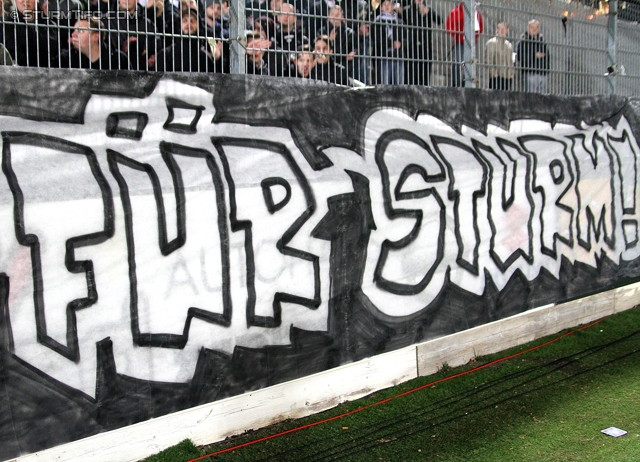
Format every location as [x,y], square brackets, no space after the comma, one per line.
[126,43]
[397,44]
[151,62]
[351,55]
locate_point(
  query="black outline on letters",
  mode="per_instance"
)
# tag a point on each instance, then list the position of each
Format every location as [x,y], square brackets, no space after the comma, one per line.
[591,220]
[246,226]
[113,129]
[625,210]
[70,351]
[551,252]
[168,151]
[268,196]
[381,146]
[507,202]
[183,129]
[454,195]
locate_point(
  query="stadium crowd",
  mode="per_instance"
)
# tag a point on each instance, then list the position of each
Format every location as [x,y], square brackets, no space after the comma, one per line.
[346,42]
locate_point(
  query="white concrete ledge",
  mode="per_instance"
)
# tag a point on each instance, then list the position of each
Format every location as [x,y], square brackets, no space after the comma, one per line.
[215,421]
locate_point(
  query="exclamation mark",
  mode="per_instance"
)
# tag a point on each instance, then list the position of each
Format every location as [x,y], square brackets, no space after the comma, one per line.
[628,158]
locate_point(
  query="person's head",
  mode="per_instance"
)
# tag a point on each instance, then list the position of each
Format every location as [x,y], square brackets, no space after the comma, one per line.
[336,16]
[157,6]
[265,25]
[257,45]
[213,10]
[502,29]
[275,5]
[533,27]
[27,6]
[304,61]
[323,49]
[86,37]
[287,17]
[127,5]
[190,22]
[387,6]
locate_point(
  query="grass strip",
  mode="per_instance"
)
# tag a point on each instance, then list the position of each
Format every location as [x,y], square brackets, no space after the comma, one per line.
[548,404]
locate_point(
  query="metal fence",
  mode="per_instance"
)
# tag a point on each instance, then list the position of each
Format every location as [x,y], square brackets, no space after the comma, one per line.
[567,47]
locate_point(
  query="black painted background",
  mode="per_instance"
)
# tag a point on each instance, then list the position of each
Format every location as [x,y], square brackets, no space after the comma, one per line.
[38,412]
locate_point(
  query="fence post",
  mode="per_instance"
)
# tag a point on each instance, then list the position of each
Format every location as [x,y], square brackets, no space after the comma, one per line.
[469,66]
[612,28]
[237,21]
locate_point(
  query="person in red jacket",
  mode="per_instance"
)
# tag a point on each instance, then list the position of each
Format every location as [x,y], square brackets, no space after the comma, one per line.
[455,27]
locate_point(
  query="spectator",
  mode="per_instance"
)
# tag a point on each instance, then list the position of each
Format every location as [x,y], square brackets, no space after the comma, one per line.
[343,38]
[88,49]
[387,37]
[257,46]
[326,68]
[29,43]
[303,64]
[165,23]
[274,9]
[323,68]
[533,58]
[191,52]
[267,25]
[172,10]
[289,37]
[213,25]
[279,62]
[133,34]
[455,27]
[498,57]
[421,19]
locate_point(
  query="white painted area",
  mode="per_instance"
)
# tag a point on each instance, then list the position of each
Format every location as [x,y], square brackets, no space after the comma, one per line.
[213,422]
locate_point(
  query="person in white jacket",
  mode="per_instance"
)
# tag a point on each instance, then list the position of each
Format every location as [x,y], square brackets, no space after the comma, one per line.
[498,57]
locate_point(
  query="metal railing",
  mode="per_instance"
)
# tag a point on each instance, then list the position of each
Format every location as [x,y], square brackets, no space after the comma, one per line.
[566,47]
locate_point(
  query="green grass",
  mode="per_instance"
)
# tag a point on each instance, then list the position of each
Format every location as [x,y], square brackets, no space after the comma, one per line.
[545,405]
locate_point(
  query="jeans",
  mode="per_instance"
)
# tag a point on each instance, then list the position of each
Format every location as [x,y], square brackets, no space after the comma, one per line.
[535,83]
[390,72]
[361,69]
[457,76]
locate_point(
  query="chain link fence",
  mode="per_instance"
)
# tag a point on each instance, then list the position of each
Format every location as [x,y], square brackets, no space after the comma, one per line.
[564,47]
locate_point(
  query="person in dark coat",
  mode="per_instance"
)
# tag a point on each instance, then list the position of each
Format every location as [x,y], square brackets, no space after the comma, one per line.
[304,64]
[533,58]
[388,46]
[326,68]
[421,19]
[27,44]
[164,22]
[257,47]
[191,52]
[133,34]
[88,50]
[344,39]
[214,25]
[289,37]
